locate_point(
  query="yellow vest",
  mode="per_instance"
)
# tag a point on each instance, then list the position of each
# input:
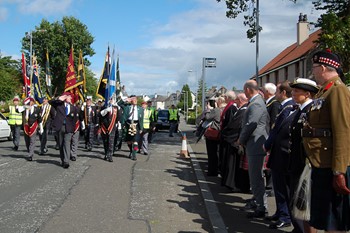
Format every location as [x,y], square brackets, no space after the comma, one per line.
[146,121]
[15,118]
[173,114]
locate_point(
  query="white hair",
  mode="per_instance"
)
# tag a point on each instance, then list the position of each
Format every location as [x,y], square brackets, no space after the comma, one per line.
[270,88]
[231,95]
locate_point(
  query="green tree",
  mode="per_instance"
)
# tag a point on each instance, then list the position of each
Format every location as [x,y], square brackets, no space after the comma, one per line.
[10,78]
[186,93]
[57,38]
[91,83]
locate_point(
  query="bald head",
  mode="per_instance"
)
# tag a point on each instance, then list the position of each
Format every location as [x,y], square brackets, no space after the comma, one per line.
[251,88]
[241,99]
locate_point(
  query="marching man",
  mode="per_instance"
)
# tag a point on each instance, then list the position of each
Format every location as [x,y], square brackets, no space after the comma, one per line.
[31,120]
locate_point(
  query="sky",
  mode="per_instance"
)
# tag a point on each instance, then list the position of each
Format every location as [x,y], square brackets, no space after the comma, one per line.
[162,43]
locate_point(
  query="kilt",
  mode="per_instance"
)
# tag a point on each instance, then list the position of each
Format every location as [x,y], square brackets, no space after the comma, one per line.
[129,137]
[329,210]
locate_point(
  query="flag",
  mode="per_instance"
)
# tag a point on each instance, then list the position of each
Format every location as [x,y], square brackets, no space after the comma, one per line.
[117,85]
[101,88]
[48,77]
[71,80]
[81,80]
[26,80]
[110,89]
[38,95]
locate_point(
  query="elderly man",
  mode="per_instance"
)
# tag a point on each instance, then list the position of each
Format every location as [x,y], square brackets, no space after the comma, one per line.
[90,120]
[64,124]
[255,126]
[327,144]
[48,114]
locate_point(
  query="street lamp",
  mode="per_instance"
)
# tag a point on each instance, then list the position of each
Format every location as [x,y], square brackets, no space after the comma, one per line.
[195,72]
[186,104]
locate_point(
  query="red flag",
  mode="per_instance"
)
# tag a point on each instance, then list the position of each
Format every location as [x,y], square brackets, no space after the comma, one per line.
[26,80]
[71,80]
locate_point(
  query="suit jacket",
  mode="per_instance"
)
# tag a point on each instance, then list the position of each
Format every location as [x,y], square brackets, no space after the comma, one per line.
[61,117]
[285,110]
[255,126]
[273,107]
[126,115]
[279,156]
[93,115]
[32,117]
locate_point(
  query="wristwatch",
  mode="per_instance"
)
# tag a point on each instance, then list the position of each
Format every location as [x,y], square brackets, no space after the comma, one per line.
[336,173]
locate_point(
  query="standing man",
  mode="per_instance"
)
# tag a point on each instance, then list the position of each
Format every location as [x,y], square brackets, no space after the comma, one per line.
[327,144]
[174,119]
[133,123]
[90,120]
[277,146]
[153,122]
[148,123]
[64,125]
[47,114]
[78,118]
[15,122]
[31,121]
[255,125]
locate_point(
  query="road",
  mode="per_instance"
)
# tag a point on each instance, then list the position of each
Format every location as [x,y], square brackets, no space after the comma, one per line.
[157,193]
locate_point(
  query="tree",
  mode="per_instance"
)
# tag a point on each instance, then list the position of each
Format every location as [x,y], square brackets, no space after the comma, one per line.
[57,38]
[91,83]
[185,93]
[10,78]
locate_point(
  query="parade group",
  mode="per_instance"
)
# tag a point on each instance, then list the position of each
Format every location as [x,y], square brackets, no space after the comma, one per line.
[290,141]
[113,122]
[269,137]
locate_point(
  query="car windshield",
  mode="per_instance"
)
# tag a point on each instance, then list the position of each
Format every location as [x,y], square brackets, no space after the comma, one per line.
[163,113]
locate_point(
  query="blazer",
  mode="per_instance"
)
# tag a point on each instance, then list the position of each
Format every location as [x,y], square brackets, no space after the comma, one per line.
[273,107]
[255,127]
[61,118]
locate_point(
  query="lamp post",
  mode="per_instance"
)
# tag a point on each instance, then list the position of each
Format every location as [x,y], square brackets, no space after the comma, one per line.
[185,104]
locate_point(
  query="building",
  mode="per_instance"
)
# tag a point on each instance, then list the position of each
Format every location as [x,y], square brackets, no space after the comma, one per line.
[295,60]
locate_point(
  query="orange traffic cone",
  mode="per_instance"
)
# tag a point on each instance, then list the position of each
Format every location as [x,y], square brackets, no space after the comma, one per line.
[184,151]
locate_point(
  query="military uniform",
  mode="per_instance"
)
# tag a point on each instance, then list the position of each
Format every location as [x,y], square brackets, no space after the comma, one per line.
[327,145]
[47,114]
[108,124]
[90,120]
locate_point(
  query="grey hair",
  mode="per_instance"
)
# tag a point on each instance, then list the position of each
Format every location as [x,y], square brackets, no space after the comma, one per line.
[270,88]
[230,95]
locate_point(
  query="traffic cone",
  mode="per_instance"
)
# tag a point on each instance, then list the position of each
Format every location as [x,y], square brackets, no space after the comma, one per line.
[184,151]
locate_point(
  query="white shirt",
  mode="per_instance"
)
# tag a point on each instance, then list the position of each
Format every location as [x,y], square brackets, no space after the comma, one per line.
[133,115]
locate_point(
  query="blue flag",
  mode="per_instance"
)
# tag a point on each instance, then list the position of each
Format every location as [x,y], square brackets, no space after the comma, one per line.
[38,95]
[101,88]
[111,83]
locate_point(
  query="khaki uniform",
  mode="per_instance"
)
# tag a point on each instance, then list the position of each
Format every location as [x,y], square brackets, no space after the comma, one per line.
[328,126]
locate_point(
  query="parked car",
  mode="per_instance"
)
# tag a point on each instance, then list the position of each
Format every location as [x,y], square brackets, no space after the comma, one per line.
[5,129]
[163,120]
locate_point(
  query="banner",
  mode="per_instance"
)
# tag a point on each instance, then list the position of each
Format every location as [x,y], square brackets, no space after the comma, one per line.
[71,80]
[26,80]
[110,89]
[81,79]
[48,77]
[38,96]
[101,88]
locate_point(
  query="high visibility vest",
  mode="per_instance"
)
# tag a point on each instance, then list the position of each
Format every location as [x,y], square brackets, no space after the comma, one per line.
[146,118]
[173,114]
[15,118]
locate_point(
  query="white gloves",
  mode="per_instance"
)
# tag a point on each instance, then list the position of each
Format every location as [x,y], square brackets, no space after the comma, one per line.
[41,129]
[82,125]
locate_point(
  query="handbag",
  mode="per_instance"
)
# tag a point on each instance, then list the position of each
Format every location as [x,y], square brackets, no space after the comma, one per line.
[212,134]
[302,195]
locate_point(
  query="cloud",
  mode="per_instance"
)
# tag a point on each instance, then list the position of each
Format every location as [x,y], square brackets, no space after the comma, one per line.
[44,7]
[180,45]
[3,14]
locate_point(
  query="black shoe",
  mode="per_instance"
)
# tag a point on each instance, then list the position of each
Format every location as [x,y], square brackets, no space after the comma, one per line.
[65,165]
[251,205]
[110,159]
[30,158]
[271,218]
[73,158]
[15,148]
[41,153]
[105,158]
[139,151]
[130,155]
[133,158]
[279,224]
[145,153]
[257,214]
[57,147]
[171,135]
[45,151]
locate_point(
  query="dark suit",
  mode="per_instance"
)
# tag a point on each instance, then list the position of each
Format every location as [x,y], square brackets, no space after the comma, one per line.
[90,119]
[48,114]
[278,160]
[273,108]
[64,125]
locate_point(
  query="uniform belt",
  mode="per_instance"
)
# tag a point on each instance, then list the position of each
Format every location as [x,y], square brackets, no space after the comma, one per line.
[316,132]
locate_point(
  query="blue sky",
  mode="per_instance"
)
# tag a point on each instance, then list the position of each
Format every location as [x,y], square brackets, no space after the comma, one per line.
[159,41]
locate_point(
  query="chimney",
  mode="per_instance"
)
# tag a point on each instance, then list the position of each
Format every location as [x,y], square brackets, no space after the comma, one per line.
[302,29]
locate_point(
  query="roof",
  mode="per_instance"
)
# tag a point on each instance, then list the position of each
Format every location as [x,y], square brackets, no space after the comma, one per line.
[292,53]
